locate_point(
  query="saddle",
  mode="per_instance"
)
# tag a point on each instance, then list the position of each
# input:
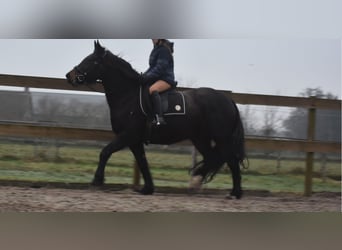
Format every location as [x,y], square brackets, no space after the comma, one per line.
[173,103]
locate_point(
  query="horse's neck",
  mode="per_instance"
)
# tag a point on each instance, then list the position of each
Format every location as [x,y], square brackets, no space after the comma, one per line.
[120,94]
[121,87]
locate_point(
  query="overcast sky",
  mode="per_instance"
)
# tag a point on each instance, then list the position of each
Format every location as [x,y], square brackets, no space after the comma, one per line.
[252,46]
[264,66]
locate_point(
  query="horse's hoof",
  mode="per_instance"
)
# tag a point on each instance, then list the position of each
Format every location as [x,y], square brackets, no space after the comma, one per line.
[195,184]
[192,191]
[229,197]
[97,181]
[145,191]
[234,194]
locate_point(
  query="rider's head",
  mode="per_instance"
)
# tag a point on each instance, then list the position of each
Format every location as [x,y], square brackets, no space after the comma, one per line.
[157,41]
[163,42]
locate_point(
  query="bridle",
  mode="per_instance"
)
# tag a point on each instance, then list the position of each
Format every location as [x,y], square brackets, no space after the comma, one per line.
[81,75]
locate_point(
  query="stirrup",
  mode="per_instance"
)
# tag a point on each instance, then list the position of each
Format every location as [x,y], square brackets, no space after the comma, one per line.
[158,121]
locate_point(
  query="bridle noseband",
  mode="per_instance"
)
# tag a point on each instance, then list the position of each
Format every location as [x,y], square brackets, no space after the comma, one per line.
[80,75]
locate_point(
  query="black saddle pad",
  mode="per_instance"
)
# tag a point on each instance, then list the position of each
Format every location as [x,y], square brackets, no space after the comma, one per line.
[173,103]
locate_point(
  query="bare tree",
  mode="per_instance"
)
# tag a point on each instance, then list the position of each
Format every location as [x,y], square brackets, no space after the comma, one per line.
[272,122]
[248,120]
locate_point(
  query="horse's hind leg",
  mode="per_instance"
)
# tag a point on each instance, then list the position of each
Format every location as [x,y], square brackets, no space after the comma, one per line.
[202,146]
[236,176]
[226,150]
[212,162]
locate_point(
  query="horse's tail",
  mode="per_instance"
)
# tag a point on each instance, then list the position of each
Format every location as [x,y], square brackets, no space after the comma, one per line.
[238,139]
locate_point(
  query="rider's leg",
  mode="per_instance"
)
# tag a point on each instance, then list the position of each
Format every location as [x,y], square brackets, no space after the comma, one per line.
[159,86]
[155,89]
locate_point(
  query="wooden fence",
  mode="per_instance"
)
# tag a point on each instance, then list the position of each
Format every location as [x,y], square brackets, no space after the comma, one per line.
[310,146]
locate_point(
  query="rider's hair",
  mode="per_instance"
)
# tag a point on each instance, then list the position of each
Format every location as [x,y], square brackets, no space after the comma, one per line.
[166,43]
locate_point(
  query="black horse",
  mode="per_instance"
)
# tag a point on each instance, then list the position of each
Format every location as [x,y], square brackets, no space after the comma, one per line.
[212,121]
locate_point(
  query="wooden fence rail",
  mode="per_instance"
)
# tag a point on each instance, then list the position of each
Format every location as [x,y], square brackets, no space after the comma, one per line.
[253,99]
[35,130]
[310,146]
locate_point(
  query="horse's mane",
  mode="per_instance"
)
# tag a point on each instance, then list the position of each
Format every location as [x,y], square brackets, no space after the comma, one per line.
[124,66]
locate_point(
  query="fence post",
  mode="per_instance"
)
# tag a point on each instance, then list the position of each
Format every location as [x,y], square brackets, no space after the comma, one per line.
[310,155]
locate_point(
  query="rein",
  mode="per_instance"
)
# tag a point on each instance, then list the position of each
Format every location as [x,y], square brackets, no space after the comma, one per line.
[141,101]
[89,86]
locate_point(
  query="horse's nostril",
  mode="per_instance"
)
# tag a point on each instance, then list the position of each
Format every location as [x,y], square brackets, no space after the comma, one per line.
[68,77]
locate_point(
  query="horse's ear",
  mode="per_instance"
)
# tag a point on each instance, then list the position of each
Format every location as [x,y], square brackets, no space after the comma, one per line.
[97,45]
[99,50]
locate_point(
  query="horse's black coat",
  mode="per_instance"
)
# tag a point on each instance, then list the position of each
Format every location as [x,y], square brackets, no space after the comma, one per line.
[212,121]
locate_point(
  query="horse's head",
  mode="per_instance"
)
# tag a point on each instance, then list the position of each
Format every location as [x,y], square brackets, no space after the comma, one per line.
[91,69]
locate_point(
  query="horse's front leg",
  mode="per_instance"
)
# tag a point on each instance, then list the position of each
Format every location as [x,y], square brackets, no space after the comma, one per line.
[139,154]
[116,145]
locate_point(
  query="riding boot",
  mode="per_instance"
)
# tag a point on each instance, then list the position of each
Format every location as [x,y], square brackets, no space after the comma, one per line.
[157,107]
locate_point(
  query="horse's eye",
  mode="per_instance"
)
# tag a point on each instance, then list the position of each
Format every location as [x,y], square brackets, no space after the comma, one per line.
[96,62]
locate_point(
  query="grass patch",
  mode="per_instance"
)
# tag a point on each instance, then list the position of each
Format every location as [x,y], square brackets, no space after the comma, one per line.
[77,164]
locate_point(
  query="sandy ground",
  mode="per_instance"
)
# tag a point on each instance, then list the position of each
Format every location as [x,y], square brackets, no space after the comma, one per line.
[28,199]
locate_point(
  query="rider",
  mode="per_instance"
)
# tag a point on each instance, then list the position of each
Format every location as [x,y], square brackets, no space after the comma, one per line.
[160,75]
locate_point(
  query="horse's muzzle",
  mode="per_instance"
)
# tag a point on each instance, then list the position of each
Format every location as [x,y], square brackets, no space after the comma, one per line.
[74,79]
[71,77]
